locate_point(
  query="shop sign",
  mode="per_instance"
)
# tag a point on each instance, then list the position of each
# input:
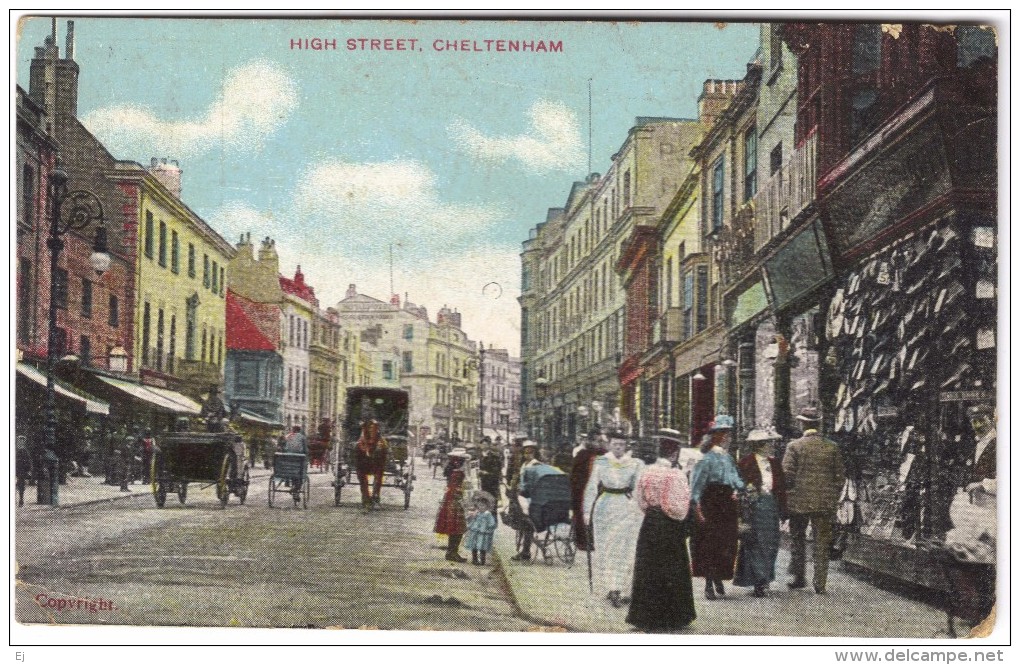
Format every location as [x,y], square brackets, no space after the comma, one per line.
[966,396]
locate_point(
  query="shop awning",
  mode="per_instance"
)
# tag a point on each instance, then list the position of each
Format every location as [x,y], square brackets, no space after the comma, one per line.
[92,405]
[250,417]
[172,395]
[149,395]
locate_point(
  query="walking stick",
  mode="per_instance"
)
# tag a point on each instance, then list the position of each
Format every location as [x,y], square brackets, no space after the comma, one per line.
[591,538]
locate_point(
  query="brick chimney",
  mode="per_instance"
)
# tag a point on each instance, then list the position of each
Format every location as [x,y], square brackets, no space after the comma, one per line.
[53,82]
[716,95]
[168,172]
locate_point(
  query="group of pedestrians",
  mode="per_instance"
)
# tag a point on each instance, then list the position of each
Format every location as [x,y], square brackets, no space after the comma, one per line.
[639,519]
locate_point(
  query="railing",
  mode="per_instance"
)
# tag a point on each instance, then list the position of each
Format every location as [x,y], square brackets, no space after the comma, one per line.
[668,327]
[786,194]
[441,411]
[737,244]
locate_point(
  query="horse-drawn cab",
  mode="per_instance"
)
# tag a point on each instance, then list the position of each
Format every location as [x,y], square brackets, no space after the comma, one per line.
[210,458]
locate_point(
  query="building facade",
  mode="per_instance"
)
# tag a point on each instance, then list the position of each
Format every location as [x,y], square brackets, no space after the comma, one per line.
[499,396]
[298,313]
[180,276]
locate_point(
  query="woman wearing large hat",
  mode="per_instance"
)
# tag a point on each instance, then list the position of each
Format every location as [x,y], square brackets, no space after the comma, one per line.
[766,494]
[714,486]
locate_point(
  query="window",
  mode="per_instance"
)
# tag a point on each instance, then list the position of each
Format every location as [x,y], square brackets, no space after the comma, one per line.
[626,189]
[702,303]
[149,230]
[205,344]
[162,243]
[190,327]
[114,319]
[172,347]
[60,288]
[669,283]
[750,163]
[776,159]
[290,383]
[408,362]
[175,253]
[85,350]
[205,271]
[223,280]
[28,194]
[867,47]
[145,334]
[86,298]
[191,260]
[718,175]
[387,370]
[215,277]
[775,47]
[159,340]
[24,297]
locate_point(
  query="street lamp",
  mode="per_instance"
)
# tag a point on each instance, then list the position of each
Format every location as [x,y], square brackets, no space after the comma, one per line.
[70,211]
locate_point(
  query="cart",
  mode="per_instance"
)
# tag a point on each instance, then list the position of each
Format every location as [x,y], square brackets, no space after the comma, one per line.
[290,476]
[399,472]
[389,408]
[181,458]
[971,590]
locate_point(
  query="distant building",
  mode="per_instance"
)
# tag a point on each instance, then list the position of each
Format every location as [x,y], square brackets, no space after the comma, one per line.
[499,393]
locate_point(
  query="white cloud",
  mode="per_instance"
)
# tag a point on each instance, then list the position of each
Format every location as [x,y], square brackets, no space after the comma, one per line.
[342,218]
[552,142]
[255,100]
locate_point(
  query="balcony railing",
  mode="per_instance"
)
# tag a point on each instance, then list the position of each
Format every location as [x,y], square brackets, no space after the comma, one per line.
[737,244]
[668,327]
[785,194]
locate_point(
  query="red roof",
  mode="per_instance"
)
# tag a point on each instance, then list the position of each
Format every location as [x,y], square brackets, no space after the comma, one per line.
[297,287]
[244,332]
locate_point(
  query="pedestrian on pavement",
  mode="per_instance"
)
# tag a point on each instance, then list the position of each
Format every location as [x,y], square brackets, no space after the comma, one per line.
[126,455]
[580,472]
[22,466]
[490,470]
[714,486]
[148,443]
[370,461]
[766,496]
[663,596]
[450,521]
[813,466]
[615,519]
[532,470]
[481,525]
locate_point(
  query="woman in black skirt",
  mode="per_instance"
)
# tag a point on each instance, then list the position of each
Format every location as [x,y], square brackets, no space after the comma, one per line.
[662,599]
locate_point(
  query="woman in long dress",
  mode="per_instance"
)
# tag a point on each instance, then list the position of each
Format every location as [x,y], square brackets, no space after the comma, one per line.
[663,596]
[763,475]
[610,508]
[714,486]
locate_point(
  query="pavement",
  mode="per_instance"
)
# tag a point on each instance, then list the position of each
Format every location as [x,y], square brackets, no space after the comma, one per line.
[555,594]
[82,491]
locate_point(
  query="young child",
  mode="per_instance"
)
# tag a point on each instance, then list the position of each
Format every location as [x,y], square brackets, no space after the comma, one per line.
[481,525]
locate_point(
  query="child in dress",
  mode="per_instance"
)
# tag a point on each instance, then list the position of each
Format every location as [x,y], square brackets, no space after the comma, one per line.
[481,525]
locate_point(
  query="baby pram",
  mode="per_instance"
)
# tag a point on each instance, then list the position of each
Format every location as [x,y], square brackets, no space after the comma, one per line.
[547,520]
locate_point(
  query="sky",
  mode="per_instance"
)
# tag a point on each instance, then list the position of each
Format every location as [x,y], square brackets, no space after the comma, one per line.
[450,157]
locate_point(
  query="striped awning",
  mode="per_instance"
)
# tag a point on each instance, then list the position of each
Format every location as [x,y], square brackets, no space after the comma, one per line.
[92,405]
[158,397]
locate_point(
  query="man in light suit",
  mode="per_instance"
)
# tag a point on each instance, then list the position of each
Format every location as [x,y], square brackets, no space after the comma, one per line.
[813,466]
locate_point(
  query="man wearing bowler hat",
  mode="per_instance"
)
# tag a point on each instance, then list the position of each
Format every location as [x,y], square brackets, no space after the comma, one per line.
[813,467]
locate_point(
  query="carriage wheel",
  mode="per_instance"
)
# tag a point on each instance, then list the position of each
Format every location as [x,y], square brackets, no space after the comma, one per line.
[271,490]
[566,550]
[158,486]
[242,487]
[182,492]
[223,484]
[306,493]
